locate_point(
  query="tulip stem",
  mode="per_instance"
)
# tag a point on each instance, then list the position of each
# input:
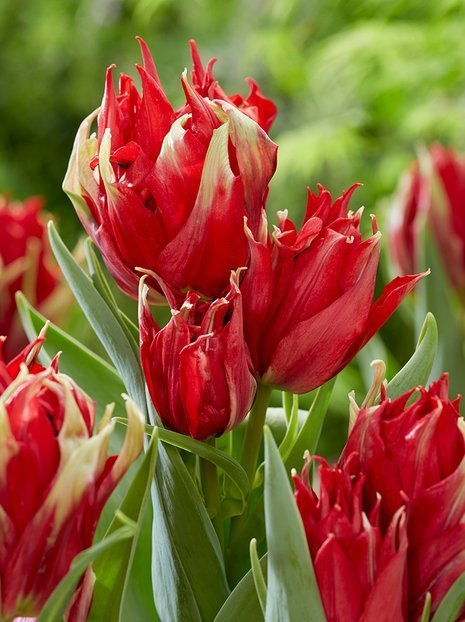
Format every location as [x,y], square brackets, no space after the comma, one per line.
[254,431]
[212,495]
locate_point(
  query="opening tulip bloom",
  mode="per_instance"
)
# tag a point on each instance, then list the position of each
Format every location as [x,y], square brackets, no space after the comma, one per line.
[308,294]
[413,456]
[25,264]
[197,367]
[166,189]
[361,570]
[55,480]
[434,190]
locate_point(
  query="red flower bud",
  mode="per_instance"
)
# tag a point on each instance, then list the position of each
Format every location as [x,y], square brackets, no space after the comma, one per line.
[308,294]
[435,191]
[197,367]
[54,481]
[360,569]
[414,456]
[25,264]
[167,190]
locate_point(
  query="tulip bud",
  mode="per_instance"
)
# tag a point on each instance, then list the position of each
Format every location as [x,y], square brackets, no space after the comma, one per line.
[433,189]
[55,478]
[197,367]
[167,190]
[413,456]
[308,294]
[25,264]
[360,569]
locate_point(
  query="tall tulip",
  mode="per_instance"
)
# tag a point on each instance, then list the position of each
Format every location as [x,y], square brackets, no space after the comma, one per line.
[55,479]
[25,264]
[166,190]
[197,367]
[413,456]
[433,191]
[308,294]
[361,570]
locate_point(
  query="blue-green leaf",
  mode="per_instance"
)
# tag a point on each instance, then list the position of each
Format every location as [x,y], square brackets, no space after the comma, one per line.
[102,319]
[242,604]
[418,368]
[292,588]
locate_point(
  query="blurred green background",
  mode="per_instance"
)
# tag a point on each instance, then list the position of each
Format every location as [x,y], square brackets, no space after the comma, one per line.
[358,83]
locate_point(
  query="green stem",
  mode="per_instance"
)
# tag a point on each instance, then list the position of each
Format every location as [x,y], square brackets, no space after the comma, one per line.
[254,431]
[212,495]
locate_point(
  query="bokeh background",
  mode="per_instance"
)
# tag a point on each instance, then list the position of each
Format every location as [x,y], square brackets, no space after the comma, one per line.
[359,85]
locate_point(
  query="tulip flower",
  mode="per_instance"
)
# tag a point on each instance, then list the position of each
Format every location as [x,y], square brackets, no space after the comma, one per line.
[413,456]
[433,191]
[25,264]
[197,367]
[361,570]
[55,480]
[308,294]
[27,357]
[166,190]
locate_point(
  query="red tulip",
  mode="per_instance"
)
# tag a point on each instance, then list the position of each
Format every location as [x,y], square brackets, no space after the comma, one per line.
[255,105]
[55,480]
[197,367]
[25,264]
[434,191]
[413,456]
[360,569]
[27,357]
[308,294]
[167,190]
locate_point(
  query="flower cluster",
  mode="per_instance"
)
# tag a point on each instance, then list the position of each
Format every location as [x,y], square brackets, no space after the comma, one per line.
[180,196]
[387,527]
[55,478]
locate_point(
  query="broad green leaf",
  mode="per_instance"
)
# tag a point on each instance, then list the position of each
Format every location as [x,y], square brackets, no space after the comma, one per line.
[188,574]
[292,588]
[113,567]
[452,603]
[231,467]
[309,434]
[258,578]
[94,375]
[102,319]
[96,271]
[242,604]
[55,606]
[418,368]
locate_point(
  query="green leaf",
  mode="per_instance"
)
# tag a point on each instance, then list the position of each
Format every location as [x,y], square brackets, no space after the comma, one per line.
[452,602]
[99,379]
[96,271]
[418,368]
[55,606]
[258,578]
[231,467]
[426,609]
[113,567]
[102,319]
[309,434]
[189,579]
[242,604]
[292,588]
